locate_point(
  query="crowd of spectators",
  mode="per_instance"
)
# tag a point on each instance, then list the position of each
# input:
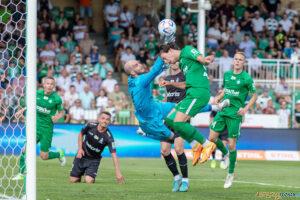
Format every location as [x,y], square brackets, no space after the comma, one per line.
[85,75]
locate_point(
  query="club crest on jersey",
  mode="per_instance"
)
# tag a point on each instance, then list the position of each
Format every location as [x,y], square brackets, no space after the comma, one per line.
[238,82]
[232,78]
[96,137]
[50,101]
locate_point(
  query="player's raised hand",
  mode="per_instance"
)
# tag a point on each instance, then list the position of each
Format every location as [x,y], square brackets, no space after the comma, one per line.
[209,59]
[80,153]
[241,112]
[120,178]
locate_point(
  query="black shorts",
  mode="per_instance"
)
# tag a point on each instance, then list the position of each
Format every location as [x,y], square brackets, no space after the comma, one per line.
[86,166]
[224,135]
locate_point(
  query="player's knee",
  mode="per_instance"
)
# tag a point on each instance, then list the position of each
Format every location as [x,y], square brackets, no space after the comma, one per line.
[89,179]
[212,138]
[165,152]
[44,156]
[231,146]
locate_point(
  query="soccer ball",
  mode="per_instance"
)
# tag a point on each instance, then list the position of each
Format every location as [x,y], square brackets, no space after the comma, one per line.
[167,27]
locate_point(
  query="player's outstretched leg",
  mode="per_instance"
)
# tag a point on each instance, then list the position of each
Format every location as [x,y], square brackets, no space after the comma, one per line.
[217,107]
[20,175]
[232,158]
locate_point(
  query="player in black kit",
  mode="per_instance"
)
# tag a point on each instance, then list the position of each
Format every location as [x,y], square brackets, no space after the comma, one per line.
[92,140]
[175,95]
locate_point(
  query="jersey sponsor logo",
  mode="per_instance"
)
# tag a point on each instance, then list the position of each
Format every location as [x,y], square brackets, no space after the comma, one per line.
[213,124]
[92,148]
[43,110]
[173,94]
[185,70]
[232,92]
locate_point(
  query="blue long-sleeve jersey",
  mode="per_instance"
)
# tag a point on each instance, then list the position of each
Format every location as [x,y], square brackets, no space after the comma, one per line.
[141,94]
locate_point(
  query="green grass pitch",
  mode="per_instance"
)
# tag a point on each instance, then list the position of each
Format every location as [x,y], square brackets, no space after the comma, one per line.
[150,179]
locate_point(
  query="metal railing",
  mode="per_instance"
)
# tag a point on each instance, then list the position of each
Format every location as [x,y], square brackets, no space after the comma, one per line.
[263,71]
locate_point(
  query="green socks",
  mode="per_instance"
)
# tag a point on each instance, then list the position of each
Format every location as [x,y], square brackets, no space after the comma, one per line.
[221,147]
[22,163]
[188,132]
[53,155]
[232,159]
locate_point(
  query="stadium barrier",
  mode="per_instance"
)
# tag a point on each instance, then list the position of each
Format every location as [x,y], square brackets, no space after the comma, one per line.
[254,143]
[265,72]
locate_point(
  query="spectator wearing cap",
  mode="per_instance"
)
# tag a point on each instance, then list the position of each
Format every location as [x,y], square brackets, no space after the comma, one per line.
[231,47]
[271,23]
[94,54]
[247,46]
[109,83]
[262,101]
[77,113]
[102,67]
[226,62]
[126,21]
[70,96]
[79,83]
[152,46]
[297,115]
[86,44]
[213,35]
[62,56]
[269,110]
[192,36]
[86,96]
[95,83]
[282,91]
[258,24]
[285,23]
[284,114]
[287,51]
[127,56]
[255,65]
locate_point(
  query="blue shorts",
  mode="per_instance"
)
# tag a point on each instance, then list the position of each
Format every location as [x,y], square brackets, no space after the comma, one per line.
[156,126]
[86,10]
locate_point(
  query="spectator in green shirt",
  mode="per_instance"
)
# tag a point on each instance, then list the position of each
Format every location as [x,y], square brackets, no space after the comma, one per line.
[62,56]
[70,44]
[152,46]
[60,19]
[41,42]
[239,9]
[183,15]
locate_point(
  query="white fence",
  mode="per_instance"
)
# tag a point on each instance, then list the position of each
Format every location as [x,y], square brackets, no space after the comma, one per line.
[263,71]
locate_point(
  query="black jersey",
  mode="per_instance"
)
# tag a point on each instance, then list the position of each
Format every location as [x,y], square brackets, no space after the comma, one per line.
[94,142]
[174,94]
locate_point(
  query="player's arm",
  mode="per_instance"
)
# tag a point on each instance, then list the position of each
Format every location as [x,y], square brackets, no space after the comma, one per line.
[80,152]
[146,79]
[60,110]
[219,96]
[180,85]
[253,99]
[194,54]
[119,176]
[20,112]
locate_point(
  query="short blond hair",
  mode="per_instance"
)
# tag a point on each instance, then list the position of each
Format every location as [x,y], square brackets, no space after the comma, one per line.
[241,53]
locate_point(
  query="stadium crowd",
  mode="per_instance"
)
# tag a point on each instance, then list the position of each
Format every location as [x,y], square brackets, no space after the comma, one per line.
[85,74]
